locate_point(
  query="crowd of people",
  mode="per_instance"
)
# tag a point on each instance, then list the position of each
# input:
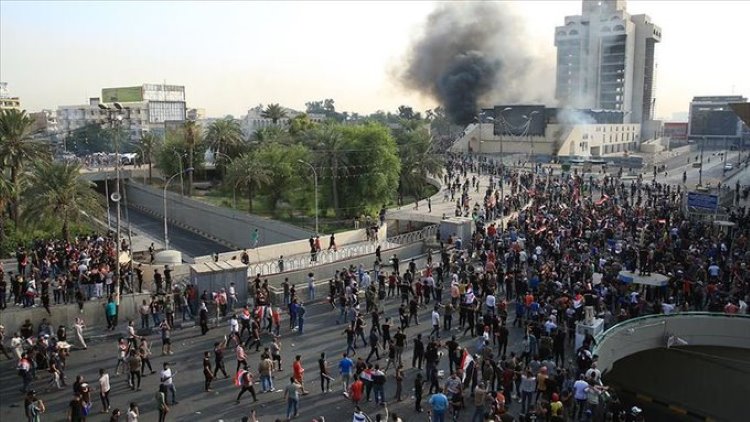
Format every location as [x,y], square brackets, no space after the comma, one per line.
[548,249]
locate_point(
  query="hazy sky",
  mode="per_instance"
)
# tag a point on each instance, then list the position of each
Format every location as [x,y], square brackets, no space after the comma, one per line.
[233,55]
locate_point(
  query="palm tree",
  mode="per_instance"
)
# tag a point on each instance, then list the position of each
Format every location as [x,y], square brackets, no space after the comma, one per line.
[60,192]
[6,193]
[417,160]
[275,112]
[18,148]
[248,171]
[193,136]
[225,136]
[148,144]
[333,155]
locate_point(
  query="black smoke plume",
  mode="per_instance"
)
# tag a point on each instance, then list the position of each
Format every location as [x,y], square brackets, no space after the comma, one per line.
[471,53]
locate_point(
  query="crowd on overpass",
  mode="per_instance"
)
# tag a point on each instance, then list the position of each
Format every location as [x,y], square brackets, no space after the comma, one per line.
[532,276]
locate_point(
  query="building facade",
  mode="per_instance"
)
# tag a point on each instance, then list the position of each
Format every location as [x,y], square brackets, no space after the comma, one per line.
[150,108]
[542,134]
[606,60]
[8,102]
[712,120]
[73,117]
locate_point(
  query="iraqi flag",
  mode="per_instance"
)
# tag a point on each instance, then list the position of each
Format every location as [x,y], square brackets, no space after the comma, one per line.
[467,364]
[238,377]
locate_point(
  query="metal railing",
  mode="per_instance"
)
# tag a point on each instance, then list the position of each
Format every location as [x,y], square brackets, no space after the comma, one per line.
[301,262]
[415,236]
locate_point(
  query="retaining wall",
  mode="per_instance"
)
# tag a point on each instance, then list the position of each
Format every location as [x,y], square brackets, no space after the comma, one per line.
[229,227]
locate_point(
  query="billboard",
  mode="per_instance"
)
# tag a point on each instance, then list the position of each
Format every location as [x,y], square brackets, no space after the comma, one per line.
[520,120]
[714,121]
[122,95]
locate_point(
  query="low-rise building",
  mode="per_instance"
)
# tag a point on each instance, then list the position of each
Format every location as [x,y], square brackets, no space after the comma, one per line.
[7,101]
[542,134]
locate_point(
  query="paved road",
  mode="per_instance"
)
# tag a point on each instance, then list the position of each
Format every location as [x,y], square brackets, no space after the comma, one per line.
[322,334]
[187,242]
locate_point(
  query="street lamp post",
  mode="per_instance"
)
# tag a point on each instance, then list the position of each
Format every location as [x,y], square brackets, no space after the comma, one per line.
[502,160]
[531,138]
[700,169]
[166,185]
[315,181]
[115,118]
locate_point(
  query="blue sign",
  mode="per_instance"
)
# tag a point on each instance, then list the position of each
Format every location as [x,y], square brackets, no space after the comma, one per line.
[703,201]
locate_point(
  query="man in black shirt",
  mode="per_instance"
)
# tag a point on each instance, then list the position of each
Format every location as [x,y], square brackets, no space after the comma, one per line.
[416,360]
[75,409]
[385,331]
[400,339]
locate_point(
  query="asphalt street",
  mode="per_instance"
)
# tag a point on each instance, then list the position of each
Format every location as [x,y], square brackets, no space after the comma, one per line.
[185,241]
[322,334]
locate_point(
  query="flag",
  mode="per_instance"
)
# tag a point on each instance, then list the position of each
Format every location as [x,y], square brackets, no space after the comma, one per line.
[467,363]
[238,377]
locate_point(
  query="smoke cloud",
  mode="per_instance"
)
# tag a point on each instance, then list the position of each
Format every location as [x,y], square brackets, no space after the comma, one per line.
[472,53]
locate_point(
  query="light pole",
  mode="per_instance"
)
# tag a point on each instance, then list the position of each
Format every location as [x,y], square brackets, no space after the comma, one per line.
[166,185]
[700,169]
[315,181]
[182,171]
[116,196]
[502,160]
[531,137]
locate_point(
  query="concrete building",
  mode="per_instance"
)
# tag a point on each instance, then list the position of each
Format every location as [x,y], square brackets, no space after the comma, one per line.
[45,122]
[541,134]
[605,60]
[8,102]
[254,120]
[713,120]
[151,108]
[73,117]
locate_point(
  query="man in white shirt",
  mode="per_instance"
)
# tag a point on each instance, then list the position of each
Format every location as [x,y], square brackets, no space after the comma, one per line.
[133,412]
[232,296]
[435,322]
[593,374]
[489,302]
[166,377]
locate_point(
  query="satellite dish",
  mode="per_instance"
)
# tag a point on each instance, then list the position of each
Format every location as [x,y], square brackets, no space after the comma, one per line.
[115,197]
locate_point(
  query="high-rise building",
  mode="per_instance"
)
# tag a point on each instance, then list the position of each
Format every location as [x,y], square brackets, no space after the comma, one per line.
[8,102]
[605,60]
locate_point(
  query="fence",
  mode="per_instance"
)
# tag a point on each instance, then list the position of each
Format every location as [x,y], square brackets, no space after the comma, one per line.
[322,257]
[415,236]
[325,257]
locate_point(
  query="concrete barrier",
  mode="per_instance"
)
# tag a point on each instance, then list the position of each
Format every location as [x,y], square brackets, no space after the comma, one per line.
[93,313]
[222,225]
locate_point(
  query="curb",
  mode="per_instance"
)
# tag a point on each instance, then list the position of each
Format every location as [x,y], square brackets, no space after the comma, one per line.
[672,407]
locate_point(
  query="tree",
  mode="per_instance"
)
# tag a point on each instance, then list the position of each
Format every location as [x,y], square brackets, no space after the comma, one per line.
[17,148]
[271,134]
[148,145]
[274,112]
[417,159]
[300,124]
[173,155]
[89,139]
[225,136]
[373,161]
[60,192]
[193,137]
[405,112]
[282,163]
[250,173]
[332,156]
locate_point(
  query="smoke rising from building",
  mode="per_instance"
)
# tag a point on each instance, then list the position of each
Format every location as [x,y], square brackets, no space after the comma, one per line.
[473,54]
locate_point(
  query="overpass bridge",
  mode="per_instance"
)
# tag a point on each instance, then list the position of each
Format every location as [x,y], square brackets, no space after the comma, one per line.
[697,363]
